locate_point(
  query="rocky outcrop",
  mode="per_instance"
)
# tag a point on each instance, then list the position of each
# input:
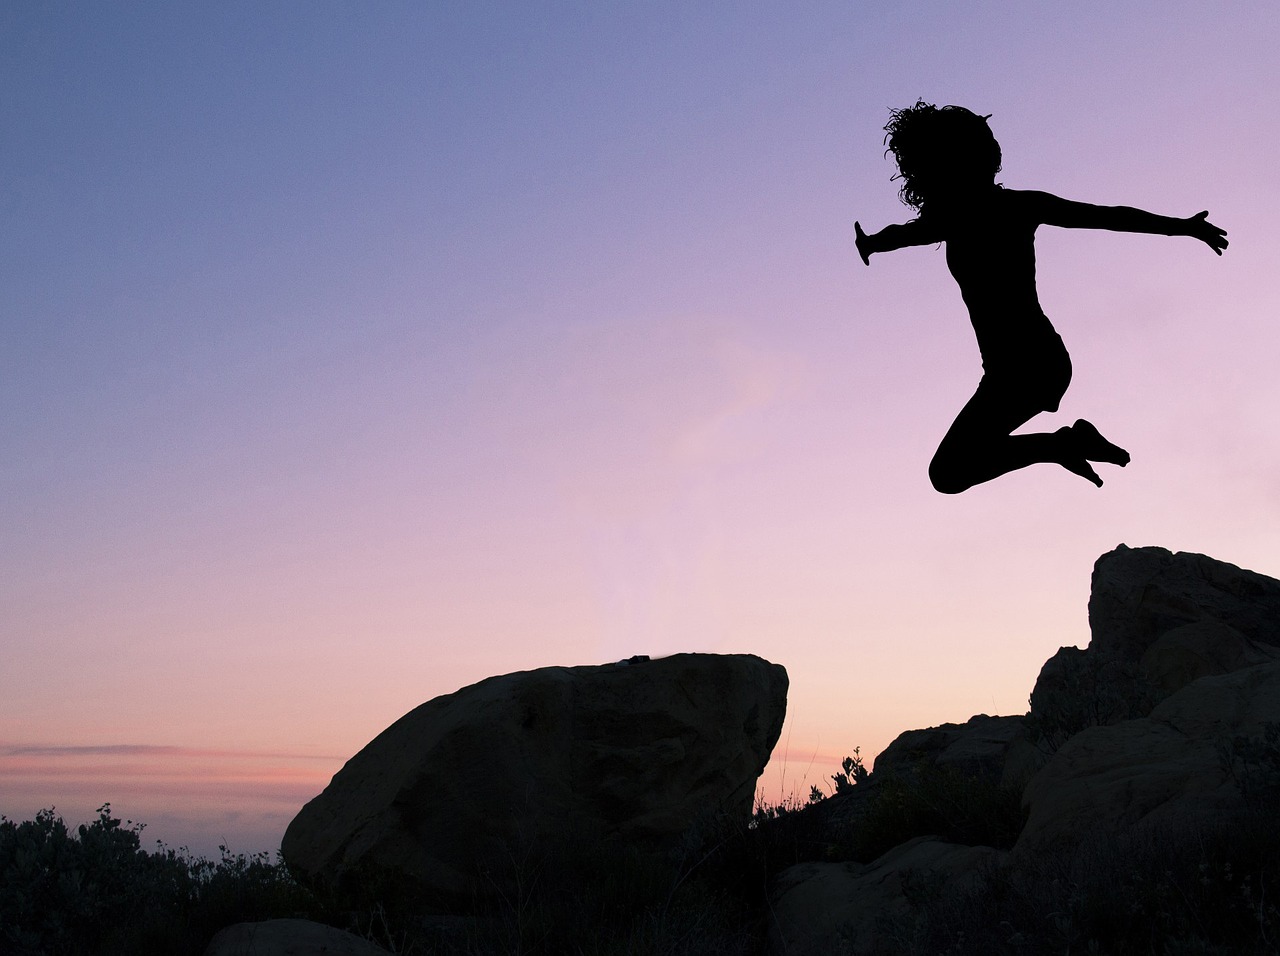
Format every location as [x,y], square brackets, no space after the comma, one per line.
[1139,594]
[1167,723]
[1174,766]
[1158,620]
[466,791]
[1170,719]
[823,908]
[289,937]
[975,748]
[1203,649]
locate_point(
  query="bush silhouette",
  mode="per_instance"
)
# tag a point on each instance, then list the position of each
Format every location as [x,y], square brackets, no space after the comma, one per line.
[1204,890]
[96,891]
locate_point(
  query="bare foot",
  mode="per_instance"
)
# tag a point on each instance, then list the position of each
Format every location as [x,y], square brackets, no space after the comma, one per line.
[1081,467]
[1073,455]
[1090,443]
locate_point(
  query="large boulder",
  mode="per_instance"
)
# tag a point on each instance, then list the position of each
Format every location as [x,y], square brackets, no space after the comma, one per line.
[1158,620]
[468,792]
[1185,763]
[1139,594]
[821,908]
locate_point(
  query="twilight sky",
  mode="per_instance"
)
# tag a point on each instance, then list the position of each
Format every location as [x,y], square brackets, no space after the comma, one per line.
[354,352]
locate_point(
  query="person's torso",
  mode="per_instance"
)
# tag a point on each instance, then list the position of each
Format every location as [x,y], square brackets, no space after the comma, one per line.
[991,254]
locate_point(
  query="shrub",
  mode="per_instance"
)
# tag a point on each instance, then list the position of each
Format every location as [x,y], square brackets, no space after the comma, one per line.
[937,801]
[852,773]
[1253,763]
[66,892]
[96,891]
[1078,689]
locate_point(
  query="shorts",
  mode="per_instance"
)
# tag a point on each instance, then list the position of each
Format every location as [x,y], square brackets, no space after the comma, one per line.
[1032,379]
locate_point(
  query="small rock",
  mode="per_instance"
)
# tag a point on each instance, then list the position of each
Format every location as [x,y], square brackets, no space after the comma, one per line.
[975,748]
[289,937]
[822,908]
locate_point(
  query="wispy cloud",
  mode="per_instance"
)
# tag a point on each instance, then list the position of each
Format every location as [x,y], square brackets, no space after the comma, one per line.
[151,750]
[153,782]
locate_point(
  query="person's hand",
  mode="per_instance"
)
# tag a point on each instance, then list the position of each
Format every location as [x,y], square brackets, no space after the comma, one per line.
[1199,227]
[863,250]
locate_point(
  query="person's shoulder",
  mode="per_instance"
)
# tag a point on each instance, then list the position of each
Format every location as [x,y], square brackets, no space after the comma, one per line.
[1020,198]
[1032,203]
[931,223]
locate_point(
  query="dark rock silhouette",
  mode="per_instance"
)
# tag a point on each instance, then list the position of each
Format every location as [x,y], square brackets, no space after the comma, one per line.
[947,161]
[1158,621]
[976,748]
[289,937]
[1164,732]
[470,793]
[1141,594]
[1168,767]
[1166,721]
[822,908]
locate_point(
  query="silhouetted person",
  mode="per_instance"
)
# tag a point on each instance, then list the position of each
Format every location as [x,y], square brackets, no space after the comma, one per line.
[947,161]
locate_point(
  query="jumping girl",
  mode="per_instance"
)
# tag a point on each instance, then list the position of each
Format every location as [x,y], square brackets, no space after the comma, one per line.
[947,160]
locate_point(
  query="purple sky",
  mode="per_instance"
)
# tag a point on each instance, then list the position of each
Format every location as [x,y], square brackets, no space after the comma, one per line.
[352,353]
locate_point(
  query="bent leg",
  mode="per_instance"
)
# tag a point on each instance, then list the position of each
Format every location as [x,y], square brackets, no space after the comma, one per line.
[979,446]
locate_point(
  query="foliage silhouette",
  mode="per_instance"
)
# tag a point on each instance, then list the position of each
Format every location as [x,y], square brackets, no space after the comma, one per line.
[96,891]
[1206,890]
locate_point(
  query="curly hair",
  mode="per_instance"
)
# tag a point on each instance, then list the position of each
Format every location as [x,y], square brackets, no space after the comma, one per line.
[927,141]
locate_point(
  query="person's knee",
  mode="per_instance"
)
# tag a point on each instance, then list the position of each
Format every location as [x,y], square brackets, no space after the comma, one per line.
[946,478]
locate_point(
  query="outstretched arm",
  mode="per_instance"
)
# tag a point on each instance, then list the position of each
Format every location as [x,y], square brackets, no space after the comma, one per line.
[913,233]
[1054,211]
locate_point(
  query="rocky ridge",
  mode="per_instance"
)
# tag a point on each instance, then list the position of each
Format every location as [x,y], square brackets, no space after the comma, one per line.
[1168,722]
[1155,728]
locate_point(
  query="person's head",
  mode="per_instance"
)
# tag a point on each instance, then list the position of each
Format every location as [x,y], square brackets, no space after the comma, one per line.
[940,152]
